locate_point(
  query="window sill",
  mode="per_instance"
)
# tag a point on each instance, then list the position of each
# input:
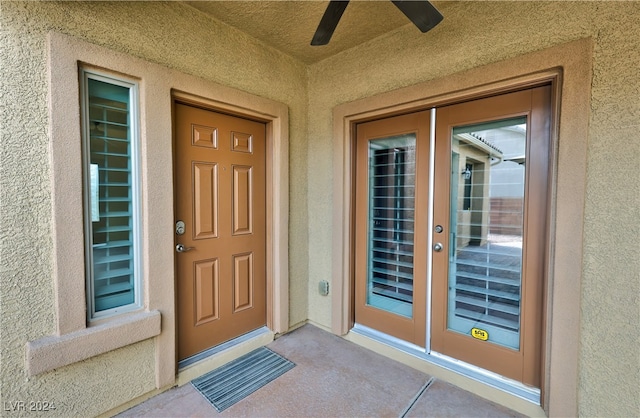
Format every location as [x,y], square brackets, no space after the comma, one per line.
[54,351]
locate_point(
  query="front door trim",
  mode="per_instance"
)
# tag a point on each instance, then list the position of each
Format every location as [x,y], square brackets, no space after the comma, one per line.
[568,68]
[275,116]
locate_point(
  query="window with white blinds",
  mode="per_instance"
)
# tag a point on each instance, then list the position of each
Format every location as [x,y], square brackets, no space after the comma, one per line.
[391,223]
[487,204]
[111,194]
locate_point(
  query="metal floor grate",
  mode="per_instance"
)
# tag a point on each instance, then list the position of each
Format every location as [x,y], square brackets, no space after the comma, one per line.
[232,382]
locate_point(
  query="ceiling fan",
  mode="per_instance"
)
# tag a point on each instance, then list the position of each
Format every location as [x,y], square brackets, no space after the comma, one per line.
[420,12]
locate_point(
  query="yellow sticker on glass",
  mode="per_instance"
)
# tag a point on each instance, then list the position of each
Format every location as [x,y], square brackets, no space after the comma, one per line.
[479,334]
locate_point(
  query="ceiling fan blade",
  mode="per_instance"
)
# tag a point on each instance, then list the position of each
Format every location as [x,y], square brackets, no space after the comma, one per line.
[421,13]
[329,22]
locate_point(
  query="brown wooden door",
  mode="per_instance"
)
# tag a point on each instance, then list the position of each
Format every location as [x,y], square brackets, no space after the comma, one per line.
[220,197]
[491,197]
[392,179]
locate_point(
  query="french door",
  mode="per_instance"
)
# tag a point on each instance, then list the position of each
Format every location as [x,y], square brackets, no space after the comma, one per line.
[392,166]
[484,229]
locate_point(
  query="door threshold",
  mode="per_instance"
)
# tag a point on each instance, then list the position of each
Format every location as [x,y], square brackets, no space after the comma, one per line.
[205,361]
[485,377]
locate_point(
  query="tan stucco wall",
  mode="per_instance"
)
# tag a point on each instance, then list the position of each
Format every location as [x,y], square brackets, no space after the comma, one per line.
[472,34]
[170,34]
[610,351]
[478,33]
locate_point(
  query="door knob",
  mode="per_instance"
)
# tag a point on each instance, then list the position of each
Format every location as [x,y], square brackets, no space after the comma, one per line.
[437,247]
[181,248]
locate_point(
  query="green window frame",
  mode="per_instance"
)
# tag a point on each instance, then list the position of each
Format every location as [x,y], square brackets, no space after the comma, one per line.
[110,145]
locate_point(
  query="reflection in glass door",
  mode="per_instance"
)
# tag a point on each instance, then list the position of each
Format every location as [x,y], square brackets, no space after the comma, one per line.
[486,227]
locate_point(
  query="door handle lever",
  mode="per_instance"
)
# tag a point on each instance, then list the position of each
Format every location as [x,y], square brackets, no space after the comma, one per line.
[182,249]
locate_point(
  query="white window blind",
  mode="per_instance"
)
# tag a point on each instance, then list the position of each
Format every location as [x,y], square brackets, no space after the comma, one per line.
[111,202]
[487,286]
[391,230]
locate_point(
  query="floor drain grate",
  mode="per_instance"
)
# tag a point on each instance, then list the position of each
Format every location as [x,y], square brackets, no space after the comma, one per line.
[232,382]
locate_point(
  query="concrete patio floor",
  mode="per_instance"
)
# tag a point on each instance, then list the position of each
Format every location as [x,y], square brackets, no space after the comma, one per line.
[332,378]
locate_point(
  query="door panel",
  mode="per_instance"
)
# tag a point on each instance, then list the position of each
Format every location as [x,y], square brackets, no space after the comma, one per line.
[242,281]
[492,159]
[220,196]
[392,165]
[242,199]
[207,291]
[205,200]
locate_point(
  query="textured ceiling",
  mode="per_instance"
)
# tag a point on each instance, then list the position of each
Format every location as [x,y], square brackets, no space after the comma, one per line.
[289,25]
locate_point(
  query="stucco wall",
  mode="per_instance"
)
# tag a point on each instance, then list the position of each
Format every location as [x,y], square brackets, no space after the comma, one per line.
[170,34]
[477,33]
[472,34]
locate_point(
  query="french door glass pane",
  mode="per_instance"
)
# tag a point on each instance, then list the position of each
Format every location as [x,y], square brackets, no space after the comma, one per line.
[392,163]
[486,223]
